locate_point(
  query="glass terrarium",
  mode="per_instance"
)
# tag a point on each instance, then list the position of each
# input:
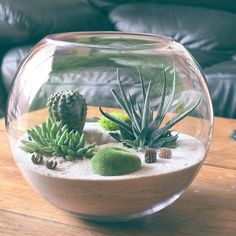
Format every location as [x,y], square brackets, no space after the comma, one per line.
[110,126]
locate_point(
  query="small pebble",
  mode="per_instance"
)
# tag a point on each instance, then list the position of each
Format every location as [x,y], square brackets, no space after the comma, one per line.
[150,155]
[37,159]
[51,165]
[165,153]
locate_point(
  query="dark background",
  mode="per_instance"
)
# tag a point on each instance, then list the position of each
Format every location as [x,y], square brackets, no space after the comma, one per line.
[207,28]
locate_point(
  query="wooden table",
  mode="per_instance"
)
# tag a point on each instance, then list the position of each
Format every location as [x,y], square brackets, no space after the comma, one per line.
[207,208]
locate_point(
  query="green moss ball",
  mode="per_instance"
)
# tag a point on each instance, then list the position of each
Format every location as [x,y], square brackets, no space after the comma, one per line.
[112,161]
[109,125]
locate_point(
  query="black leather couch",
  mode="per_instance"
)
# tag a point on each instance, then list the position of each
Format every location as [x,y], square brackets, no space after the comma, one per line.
[205,27]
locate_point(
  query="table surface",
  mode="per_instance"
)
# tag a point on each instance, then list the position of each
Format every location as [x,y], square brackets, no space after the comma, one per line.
[208,207]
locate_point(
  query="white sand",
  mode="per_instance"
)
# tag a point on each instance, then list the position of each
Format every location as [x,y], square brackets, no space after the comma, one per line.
[74,187]
[188,152]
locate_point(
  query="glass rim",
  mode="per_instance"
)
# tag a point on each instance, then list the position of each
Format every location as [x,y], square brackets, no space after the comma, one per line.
[152,40]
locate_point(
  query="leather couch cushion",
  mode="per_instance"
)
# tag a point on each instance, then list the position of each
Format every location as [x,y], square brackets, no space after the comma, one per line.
[221,80]
[23,22]
[203,31]
[229,6]
[51,3]
[11,63]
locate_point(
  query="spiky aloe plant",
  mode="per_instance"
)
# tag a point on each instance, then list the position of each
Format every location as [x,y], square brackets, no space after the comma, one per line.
[55,139]
[146,129]
[69,107]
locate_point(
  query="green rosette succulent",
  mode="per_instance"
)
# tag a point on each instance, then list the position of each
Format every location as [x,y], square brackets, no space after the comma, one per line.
[69,107]
[55,139]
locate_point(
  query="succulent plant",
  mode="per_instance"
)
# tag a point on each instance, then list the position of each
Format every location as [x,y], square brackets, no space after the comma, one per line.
[69,107]
[146,129]
[109,125]
[112,161]
[55,139]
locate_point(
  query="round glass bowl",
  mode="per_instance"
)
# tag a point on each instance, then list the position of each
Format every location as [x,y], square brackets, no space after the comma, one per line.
[111,126]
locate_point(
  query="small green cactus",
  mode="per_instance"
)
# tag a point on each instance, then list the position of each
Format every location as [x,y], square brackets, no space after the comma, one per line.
[55,139]
[69,107]
[109,125]
[112,161]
